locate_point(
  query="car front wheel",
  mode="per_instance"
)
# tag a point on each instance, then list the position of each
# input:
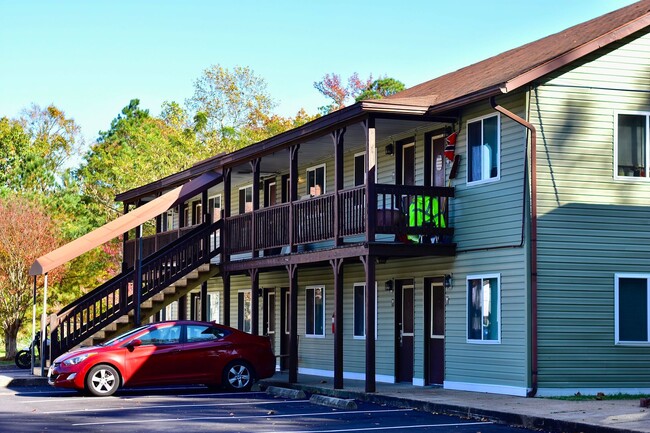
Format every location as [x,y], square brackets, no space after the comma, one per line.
[238,376]
[102,380]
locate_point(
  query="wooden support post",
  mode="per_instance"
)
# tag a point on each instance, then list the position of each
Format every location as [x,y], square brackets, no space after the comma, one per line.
[182,308]
[371,173]
[370,298]
[337,268]
[204,206]
[137,284]
[293,194]
[255,301]
[337,138]
[293,323]
[255,166]
[125,239]
[226,297]
[204,301]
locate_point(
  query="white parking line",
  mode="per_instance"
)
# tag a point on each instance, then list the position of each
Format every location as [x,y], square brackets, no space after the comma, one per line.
[160,406]
[238,418]
[397,427]
[61,397]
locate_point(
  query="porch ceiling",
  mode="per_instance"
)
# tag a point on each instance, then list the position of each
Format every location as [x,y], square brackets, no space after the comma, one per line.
[321,147]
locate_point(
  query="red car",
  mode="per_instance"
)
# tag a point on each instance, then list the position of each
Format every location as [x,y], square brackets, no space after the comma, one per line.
[173,352]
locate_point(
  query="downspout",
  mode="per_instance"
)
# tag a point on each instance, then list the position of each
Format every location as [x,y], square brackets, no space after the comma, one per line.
[533,236]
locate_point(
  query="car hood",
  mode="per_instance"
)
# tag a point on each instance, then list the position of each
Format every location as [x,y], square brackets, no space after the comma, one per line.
[79,351]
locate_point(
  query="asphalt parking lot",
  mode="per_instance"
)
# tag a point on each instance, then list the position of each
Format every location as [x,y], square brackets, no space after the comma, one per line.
[35,409]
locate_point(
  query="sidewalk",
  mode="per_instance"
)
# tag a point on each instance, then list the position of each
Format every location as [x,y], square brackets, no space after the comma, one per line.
[604,416]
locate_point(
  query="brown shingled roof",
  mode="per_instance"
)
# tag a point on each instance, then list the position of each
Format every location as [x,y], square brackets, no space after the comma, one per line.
[519,66]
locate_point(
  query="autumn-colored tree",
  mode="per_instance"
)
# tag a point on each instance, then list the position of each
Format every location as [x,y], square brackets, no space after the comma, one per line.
[26,233]
[332,87]
[356,89]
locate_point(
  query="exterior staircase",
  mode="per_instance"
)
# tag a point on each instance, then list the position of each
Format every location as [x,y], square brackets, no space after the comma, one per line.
[163,277]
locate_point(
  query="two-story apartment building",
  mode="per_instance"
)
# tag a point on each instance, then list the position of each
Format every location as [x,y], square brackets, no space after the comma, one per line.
[368,247]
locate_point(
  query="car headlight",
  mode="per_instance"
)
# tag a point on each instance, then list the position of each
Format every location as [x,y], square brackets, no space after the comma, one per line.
[77,359]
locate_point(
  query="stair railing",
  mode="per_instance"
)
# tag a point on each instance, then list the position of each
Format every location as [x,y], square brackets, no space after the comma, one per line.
[115,298]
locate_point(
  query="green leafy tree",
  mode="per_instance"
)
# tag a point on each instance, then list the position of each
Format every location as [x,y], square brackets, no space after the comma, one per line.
[34,149]
[226,103]
[381,88]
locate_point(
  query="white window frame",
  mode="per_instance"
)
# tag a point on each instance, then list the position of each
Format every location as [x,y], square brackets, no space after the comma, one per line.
[314,168]
[250,292]
[246,202]
[268,305]
[415,161]
[617,340]
[498,157]
[307,289]
[214,307]
[467,307]
[354,309]
[645,178]
[215,216]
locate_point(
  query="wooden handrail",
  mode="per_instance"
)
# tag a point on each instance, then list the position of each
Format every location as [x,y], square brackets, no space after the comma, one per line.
[113,299]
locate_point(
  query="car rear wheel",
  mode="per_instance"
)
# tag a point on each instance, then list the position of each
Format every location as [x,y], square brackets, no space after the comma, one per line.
[102,380]
[238,376]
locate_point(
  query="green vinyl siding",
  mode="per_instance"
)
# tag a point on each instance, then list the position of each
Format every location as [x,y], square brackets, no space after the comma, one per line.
[591,226]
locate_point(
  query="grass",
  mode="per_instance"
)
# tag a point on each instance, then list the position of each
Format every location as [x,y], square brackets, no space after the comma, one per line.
[602,396]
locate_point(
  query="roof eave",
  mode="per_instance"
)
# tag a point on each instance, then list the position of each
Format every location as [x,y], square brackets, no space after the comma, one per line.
[577,53]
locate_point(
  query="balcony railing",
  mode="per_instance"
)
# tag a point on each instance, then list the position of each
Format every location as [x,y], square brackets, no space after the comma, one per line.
[410,213]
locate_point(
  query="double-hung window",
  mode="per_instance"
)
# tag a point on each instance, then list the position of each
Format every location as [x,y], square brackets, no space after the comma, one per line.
[315,311]
[483,308]
[631,145]
[632,297]
[483,149]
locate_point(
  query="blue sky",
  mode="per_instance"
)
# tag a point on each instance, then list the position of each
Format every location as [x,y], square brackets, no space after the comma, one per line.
[91,57]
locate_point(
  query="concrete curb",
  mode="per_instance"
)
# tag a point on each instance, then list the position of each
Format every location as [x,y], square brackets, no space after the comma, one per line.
[339,403]
[294,394]
[12,382]
[516,420]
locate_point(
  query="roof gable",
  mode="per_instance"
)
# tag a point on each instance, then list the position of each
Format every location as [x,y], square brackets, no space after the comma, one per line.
[517,67]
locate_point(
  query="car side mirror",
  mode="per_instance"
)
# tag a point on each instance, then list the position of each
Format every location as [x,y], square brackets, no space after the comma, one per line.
[134,343]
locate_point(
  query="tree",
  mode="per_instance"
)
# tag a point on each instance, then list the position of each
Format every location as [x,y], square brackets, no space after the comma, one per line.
[356,90]
[26,233]
[34,149]
[136,150]
[331,87]
[381,88]
[227,102]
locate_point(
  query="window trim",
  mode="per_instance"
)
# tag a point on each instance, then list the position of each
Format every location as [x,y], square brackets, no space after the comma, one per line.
[408,144]
[245,202]
[467,165]
[467,306]
[354,309]
[242,317]
[647,150]
[324,334]
[314,168]
[617,277]
[214,198]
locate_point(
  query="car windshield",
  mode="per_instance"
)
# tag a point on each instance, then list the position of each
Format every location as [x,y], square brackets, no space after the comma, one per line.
[123,337]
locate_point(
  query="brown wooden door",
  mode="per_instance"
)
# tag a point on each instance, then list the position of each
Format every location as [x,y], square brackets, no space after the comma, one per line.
[438,166]
[284,329]
[405,332]
[436,334]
